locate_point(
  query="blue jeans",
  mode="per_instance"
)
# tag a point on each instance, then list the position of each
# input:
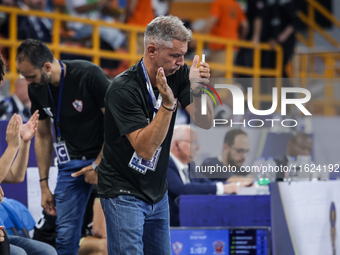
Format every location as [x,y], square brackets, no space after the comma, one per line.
[135,227]
[71,196]
[25,246]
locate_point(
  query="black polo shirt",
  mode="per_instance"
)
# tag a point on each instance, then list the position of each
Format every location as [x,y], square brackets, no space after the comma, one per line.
[127,109]
[81,120]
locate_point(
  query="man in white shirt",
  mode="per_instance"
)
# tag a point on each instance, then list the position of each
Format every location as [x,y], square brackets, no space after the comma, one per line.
[92,10]
[184,146]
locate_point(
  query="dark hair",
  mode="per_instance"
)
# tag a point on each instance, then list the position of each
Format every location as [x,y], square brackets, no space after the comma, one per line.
[36,52]
[2,68]
[230,136]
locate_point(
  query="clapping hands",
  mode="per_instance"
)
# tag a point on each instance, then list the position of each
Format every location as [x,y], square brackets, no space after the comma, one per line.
[16,130]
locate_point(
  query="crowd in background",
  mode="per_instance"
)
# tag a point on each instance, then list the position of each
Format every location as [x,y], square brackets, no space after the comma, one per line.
[271,21]
[258,21]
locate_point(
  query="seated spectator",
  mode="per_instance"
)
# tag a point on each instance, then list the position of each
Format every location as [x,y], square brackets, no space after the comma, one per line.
[81,8]
[19,102]
[12,170]
[4,25]
[184,145]
[32,27]
[235,149]
[28,26]
[18,136]
[228,21]
[13,165]
[93,241]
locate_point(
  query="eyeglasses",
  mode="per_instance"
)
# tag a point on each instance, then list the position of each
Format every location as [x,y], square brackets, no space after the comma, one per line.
[240,151]
[192,143]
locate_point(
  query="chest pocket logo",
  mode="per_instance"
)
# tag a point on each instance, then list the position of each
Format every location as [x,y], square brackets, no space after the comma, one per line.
[78,105]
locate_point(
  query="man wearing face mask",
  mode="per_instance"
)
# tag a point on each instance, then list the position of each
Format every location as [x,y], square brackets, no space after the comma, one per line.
[72,93]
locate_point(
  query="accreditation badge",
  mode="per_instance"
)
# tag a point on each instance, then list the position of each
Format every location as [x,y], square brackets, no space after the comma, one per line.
[61,151]
[141,165]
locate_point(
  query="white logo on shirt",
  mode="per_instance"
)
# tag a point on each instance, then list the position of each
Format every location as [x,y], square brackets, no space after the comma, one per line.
[78,105]
[48,111]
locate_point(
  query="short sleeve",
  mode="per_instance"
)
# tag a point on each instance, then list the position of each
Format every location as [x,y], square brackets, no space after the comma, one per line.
[98,85]
[184,89]
[126,109]
[215,9]
[35,106]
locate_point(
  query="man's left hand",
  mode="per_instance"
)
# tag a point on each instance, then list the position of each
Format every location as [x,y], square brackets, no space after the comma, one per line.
[198,74]
[28,130]
[90,175]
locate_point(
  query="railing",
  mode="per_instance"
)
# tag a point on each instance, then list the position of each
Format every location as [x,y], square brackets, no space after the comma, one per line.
[327,72]
[319,64]
[312,26]
[96,53]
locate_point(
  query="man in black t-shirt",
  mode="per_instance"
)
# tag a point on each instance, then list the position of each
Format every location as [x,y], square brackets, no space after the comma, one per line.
[72,93]
[139,119]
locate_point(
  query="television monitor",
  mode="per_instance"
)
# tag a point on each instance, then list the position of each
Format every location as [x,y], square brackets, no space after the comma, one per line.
[220,240]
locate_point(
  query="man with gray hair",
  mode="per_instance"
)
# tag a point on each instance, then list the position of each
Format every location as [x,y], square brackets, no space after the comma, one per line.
[141,108]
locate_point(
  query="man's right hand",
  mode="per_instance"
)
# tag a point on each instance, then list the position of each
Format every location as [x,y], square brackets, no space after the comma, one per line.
[164,89]
[47,202]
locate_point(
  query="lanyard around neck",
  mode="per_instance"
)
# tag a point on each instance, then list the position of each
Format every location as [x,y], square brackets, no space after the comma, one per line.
[152,99]
[61,86]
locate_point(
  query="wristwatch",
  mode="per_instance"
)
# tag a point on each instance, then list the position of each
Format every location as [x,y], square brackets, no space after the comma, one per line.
[195,94]
[94,165]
